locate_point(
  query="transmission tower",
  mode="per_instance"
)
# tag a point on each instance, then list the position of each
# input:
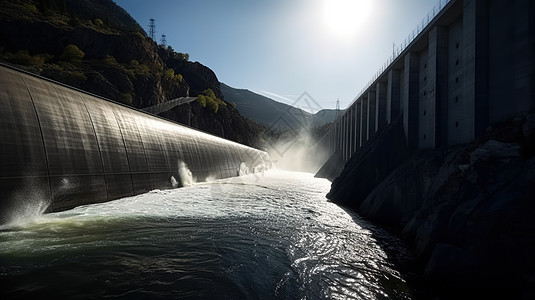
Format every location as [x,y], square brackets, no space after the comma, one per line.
[163,40]
[152,29]
[338,108]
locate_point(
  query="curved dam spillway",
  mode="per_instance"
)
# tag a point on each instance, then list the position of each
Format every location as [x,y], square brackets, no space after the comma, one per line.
[61,147]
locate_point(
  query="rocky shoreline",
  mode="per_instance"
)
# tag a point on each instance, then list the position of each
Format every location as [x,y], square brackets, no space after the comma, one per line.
[468,211]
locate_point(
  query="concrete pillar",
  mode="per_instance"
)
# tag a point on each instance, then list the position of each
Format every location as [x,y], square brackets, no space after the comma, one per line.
[340,136]
[371,114]
[344,136]
[348,134]
[433,96]
[364,124]
[380,108]
[359,123]
[426,106]
[335,136]
[363,120]
[475,57]
[512,63]
[438,88]
[393,95]
[331,141]
[352,127]
[355,127]
[349,131]
[410,99]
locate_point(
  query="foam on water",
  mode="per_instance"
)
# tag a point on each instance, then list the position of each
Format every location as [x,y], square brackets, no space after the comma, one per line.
[275,232]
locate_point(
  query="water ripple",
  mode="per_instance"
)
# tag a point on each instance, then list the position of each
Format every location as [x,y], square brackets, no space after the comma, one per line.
[246,238]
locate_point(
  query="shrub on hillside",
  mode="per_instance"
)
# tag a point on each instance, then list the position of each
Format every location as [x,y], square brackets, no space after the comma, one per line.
[23,57]
[212,104]
[71,53]
[110,60]
[125,98]
[202,100]
[98,23]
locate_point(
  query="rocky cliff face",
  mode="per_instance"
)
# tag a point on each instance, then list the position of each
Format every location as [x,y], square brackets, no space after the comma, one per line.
[199,76]
[226,123]
[119,62]
[467,211]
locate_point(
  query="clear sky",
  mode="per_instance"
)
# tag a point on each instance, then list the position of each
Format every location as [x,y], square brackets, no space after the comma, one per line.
[283,48]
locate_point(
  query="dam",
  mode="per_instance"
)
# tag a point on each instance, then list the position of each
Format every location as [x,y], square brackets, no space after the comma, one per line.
[63,147]
[468,65]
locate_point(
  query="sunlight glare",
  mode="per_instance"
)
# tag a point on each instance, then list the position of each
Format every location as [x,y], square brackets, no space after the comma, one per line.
[344,18]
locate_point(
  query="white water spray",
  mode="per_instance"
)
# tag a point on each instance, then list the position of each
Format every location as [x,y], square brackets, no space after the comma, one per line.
[186,177]
[30,202]
[243,170]
[174,183]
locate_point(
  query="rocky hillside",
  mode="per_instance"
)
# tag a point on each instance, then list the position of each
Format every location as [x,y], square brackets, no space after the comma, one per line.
[467,211]
[96,46]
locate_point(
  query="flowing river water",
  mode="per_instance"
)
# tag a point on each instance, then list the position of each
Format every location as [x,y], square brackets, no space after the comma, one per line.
[260,236]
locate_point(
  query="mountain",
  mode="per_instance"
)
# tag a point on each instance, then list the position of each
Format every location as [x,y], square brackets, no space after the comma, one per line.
[272,114]
[96,46]
[329,115]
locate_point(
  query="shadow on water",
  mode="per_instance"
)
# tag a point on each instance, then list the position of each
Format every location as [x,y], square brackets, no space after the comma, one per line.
[399,255]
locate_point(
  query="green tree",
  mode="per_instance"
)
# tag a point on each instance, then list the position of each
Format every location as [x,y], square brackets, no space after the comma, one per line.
[181,56]
[209,93]
[202,100]
[169,74]
[212,104]
[72,53]
[98,23]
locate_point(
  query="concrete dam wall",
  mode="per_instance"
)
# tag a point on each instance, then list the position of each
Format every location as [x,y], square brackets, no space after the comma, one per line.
[468,65]
[61,147]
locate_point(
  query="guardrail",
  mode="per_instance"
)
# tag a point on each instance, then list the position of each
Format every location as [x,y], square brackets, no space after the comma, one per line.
[437,8]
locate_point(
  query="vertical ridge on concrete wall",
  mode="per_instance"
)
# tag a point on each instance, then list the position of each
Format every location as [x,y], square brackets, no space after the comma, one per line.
[65,148]
[380,110]
[98,147]
[45,157]
[411,99]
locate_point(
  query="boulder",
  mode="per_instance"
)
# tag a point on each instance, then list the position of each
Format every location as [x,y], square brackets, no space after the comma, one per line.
[495,149]
[370,165]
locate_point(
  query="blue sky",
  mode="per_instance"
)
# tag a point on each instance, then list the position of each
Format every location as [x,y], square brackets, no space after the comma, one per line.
[283,48]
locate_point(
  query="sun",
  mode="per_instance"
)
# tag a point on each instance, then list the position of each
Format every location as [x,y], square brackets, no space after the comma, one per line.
[344,18]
